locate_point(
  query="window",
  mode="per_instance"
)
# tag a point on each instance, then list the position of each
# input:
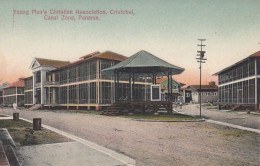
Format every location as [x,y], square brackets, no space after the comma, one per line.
[251,68]
[63,95]
[103,65]
[38,76]
[83,93]
[105,92]
[72,74]
[72,94]
[93,92]
[93,70]
[63,77]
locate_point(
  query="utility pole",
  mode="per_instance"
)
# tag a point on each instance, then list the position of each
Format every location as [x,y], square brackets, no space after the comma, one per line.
[201,60]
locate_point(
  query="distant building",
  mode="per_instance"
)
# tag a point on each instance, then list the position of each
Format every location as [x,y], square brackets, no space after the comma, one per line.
[209,93]
[187,95]
[14,93]
[28,91]
[177,93]
[239,83]
[2,92]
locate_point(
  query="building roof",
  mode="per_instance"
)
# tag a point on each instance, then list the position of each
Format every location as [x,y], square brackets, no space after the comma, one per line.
[49,62]
[18,83]
[89,55]
[143,63]
[105,55]
[254,55]
[203,87]
[162,79]
[111,56]
[27,78]
[4,85]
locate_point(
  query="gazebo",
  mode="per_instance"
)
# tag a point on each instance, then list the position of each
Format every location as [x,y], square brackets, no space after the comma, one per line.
[142,65]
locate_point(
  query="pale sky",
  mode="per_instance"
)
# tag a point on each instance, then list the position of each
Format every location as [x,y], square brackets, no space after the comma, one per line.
[167,29]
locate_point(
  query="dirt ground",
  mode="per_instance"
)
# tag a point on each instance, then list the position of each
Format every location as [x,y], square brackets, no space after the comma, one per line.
[159,143]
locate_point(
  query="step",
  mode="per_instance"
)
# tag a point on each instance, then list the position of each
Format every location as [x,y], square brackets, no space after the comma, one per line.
[235,107]
[35,107]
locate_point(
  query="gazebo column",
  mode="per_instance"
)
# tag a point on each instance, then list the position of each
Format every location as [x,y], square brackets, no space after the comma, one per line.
[129,90]
[171,84]
[168,96]
[117,80]
[133,86]
[154,82]
[115,85]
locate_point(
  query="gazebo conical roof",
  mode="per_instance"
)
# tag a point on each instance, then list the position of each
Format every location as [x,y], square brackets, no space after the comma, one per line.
[144,64]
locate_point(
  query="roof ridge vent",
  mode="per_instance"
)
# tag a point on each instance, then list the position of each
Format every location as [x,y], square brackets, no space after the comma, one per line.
[89,55]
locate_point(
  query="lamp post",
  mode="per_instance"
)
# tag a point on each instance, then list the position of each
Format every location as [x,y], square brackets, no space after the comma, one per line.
[201,60]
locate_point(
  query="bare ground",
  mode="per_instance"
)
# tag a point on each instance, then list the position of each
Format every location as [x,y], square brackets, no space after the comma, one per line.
[159,143]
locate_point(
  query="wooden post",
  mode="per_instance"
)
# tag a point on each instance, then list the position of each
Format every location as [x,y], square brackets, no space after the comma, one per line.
[16,116]
[256,107]
[37,124]
[97,108]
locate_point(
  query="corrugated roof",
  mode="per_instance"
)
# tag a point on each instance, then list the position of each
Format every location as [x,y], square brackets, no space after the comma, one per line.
[254,55]
[18,83]
[105,55]
[49,62]
[144,62]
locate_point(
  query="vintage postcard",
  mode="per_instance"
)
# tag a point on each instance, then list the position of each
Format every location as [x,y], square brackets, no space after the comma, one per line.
[119,82]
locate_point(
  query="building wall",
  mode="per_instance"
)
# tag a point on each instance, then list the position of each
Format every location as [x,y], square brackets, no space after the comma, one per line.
[86,85]
[176,92]
[188,96]
[14,95]
[28,91]
[242,92]
[239,84]
[1,97]
[206,96]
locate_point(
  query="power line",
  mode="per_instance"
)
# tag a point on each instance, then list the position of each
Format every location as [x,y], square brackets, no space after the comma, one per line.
[201,60]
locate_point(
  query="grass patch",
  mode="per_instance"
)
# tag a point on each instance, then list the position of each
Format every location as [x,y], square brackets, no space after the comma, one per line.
[23,135]
[78,111]
[230,132]
[11,124]
[160,117]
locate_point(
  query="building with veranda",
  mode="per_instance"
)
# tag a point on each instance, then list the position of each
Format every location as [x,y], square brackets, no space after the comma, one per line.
[239,83]
[78,84]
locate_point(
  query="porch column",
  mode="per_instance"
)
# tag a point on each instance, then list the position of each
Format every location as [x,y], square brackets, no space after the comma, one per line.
[130,88]
[133,86]
[168,96]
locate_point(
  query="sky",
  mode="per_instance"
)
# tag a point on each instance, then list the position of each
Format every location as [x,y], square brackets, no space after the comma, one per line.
[168,29]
